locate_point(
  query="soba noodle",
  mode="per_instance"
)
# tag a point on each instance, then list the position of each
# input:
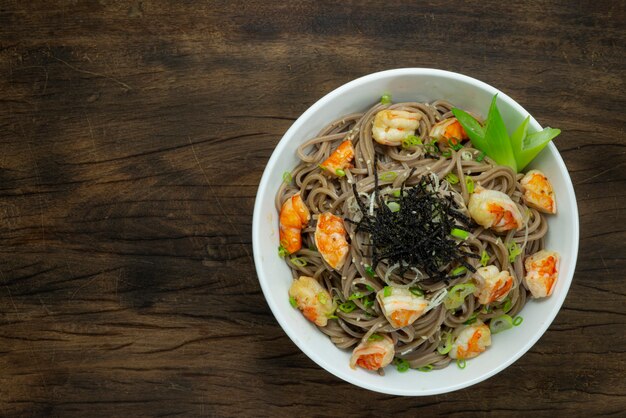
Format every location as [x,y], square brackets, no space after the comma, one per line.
[418,342]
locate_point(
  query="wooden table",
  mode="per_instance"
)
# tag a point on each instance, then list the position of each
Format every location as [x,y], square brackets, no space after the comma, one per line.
[133,137]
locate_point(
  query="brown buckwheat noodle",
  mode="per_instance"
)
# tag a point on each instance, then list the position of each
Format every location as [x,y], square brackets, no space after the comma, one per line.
[418,342]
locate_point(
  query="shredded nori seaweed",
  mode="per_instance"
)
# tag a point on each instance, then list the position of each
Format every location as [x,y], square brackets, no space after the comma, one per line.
[417,235]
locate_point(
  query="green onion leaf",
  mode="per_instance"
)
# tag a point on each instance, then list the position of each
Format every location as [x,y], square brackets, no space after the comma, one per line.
[500,149]
[340,172]
[514,251]
[321,296]
[282,252]
[386,98]
[501,323]
[297,261]
[356,295]
[471,319]
[459,270]
[533,144]
[425,368]
[451,178]
[416,291]
[387,291]
[401,364]
[469,182]
[411,141]
[461,363]
[287,177]
[447,343]
[459,233]
[457,294]
[347,307]
[293,302]
[375,337]
[473,128]
[518,320]
[393,206]
[370,271]
[388,176]
[484,258]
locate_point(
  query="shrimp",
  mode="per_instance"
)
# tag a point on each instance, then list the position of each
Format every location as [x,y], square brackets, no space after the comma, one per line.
[448,131]
[330,239]
[373,354]
[294,215]
[493,285]
[471,341]
[312,299]
[494,209]
[538,191]
[542,271]
[392,126]
[400,306]
[339,159]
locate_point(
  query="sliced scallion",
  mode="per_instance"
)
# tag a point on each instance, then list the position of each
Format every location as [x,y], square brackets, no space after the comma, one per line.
[514,251]
[293,302]
[425,368]
[484,258]
[321,296]
[459,270]
[375,337]
[282,252]
[340,172]
[355,295]
[347,307]
[416,291]
[457,294]
[411,141]
[461,363]
[387,291]
[287,177]
[459,233]
[388,176]
[452,178]
[469,182]
[401,365]
[447,344]
[385,99]
[518,321]
[501,323]
[393,206]
[298,262]
[370,271]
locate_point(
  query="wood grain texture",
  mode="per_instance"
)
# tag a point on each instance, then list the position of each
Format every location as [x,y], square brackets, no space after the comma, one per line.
[133,136]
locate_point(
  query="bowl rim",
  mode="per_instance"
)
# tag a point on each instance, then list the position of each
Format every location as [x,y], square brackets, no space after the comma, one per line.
[264,187]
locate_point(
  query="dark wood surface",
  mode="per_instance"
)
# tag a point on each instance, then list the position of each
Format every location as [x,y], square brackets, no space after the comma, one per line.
[133,137]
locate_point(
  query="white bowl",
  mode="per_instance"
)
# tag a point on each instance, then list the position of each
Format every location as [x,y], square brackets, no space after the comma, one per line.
[409,84]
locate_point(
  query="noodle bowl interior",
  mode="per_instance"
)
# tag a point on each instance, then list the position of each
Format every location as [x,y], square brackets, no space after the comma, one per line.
[406,244]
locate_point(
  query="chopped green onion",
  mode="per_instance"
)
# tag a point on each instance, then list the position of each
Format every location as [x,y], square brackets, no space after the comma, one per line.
[388,176]
[486,309]
[452,178]
[447,346]
[395,193]
[297,261]
[387,291]
[287,177]
[484,258]
[457,294]
[411,141]
[446,154]
[469,182]
[454,144]
[431,147]
[425,368]
[416,291]
[356,295]
[471,319]
[518,320]
[459,270]
[459,233]
[368,287]
[514,251]
[401,364]
[386,98]
[347,307]
[282,252]
[393,206]
[368,303]
[375,337]
[481,157]
[501,323]
[461,363]
[293,302]
[340,172]
[466,156]
[507,305]
[321,296]
[370,271]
